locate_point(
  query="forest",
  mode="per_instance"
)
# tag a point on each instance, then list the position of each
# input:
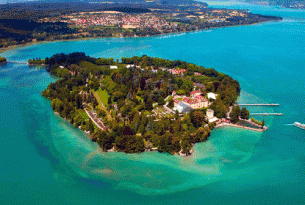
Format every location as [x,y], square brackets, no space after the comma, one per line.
[132,93]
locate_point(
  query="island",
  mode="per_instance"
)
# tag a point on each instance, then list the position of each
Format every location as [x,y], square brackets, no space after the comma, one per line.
[26,23]
[2,59]
[143,103]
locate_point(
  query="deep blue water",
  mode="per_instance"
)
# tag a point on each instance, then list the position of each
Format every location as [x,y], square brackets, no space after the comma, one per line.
[45,160]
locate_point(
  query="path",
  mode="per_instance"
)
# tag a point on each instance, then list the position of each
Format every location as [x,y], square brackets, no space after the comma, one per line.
[98,122]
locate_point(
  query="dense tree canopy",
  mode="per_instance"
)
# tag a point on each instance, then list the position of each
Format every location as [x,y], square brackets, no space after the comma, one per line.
[131,94]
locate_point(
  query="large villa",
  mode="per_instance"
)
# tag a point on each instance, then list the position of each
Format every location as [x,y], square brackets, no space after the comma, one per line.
[184,104]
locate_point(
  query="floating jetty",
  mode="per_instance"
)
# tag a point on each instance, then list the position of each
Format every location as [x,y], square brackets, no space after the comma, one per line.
[266,113]
[270,104]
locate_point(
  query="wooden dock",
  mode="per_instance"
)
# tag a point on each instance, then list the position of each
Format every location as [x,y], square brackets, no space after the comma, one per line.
[267,104]
[279,114]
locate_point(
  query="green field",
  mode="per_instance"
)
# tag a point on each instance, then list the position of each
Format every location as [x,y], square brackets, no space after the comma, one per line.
[103,95]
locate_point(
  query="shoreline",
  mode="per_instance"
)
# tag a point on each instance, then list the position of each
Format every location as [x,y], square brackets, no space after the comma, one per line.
[9,48]
[240,126]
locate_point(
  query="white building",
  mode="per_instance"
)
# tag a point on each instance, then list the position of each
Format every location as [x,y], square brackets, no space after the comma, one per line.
[212,96]
[130,66]
[210,113]
[113,67]
[210,116]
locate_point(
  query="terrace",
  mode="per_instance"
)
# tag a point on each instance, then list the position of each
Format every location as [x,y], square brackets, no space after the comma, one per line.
[163,112]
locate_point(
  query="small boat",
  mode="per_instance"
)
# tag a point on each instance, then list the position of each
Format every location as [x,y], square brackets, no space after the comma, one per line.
[299,125]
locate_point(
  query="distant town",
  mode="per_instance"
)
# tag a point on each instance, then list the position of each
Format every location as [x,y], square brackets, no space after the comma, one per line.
[64,21]
[154,22]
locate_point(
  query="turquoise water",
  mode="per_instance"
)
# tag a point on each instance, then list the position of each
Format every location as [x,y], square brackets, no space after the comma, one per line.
[46,160]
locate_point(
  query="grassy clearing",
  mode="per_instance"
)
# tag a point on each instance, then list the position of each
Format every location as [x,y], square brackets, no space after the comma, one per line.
[102,99]
[103,95]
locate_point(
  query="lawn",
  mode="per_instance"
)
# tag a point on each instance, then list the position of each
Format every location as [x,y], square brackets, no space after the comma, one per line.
[102,99]
[103,95]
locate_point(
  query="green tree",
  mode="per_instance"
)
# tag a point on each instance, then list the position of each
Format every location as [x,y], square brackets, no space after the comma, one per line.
[176,114]
[197,117]
[148,104]
[171,103]
[186,145]
[161,101]
[142,127]
[105,140]
[117,96]
[244,113]
[91,126]
[78,100]
[109,100]
[234,115]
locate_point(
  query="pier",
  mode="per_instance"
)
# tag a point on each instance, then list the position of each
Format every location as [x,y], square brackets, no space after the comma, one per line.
[268,104]
[279,114]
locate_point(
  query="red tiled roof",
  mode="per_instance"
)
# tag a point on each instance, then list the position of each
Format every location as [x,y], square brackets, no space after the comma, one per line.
[190,101]
[195,92]
[201,98]
[177,71]
[196,100]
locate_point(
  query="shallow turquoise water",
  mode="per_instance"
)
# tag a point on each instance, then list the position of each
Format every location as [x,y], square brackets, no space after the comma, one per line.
[45,160]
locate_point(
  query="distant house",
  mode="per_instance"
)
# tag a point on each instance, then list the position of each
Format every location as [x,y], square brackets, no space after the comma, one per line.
[130,66]
[210,116]
[210,113]
[177,72]
[113,67]
[199,85]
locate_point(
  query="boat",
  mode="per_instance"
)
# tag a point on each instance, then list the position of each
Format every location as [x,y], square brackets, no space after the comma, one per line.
[299,125]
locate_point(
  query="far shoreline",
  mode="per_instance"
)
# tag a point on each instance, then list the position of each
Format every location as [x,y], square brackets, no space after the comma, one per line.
[9,48]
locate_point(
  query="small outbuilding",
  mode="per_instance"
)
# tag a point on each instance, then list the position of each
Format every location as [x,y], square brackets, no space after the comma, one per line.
[113,67]
[212,96]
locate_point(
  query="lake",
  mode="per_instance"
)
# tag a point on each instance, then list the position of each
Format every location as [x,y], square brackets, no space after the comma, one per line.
[45,160]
